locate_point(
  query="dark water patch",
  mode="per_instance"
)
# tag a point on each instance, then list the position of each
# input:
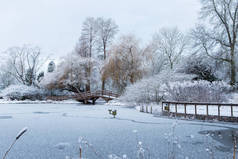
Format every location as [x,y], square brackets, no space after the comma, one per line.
[223,148]
[198,143]
[41,112]
[226,137]
[62,146]
[5,117]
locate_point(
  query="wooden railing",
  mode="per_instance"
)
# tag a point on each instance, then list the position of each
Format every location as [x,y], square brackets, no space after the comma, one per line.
[101,93]
[86,95]
[167,105]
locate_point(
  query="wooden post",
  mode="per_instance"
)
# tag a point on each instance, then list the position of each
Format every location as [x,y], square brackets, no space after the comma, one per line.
[146,109]
[195,110]
[231,111]
[234,146]
[207,110]
[142,108]
[162,107]
[185,110]
[151,111]
[168,109]
[219,113]
[176,109]
[80,153]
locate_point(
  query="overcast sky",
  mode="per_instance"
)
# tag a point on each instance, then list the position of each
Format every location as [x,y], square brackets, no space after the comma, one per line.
[54,25]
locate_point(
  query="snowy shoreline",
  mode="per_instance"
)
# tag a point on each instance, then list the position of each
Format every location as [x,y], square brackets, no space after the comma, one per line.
[39,102]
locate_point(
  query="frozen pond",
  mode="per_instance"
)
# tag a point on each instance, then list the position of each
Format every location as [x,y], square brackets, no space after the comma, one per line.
[54,130]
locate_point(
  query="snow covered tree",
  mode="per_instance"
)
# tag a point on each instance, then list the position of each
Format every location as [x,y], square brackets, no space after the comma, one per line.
[29,77]
[96,36]
[107,30]
[88,38]
[124,65]
[6,80]
[51,66]
[153,61]
[171,43]
[24,64]
[40,76]
[86,47]
[72,74]
[217,37]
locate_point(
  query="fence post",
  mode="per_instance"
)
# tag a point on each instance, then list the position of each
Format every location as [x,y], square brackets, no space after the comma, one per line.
[176,109]
[207,110]
[195,110]
[185,110]
[231,111]
[169,109]
[162,107]
[151,111]
[219,113]
[146,109]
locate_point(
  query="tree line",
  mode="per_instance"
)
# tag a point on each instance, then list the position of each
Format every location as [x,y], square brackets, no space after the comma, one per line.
[102,59]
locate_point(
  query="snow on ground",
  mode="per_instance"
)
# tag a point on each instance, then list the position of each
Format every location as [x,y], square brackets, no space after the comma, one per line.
[234,98]
[5,101]
[54,130]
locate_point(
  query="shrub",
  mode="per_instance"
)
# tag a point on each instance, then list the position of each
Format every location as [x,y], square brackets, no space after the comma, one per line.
[197,91]
[151,90]
[22,92]
[175,87]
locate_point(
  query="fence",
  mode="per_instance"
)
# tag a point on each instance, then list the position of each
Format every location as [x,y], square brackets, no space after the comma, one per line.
[228,110]
[146,109]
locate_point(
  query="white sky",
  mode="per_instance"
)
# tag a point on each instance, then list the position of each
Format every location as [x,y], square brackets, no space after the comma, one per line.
[54,25]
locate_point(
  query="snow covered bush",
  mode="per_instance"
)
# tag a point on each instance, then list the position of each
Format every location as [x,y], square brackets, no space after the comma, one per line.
[152,89]
[22,92]
[197,91]
[169,85]
[202,67]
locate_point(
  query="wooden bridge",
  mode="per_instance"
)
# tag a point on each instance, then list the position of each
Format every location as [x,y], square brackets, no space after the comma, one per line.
[88,97]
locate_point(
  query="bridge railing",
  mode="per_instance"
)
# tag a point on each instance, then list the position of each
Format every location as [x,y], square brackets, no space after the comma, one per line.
[98,93]
[86,95]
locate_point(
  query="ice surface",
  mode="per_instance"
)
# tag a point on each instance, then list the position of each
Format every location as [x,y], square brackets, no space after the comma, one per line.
[54,135]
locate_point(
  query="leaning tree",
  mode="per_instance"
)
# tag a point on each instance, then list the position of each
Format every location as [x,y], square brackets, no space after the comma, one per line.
[217,36]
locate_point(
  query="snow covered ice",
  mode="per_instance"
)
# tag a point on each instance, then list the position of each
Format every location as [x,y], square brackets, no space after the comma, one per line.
[56,134]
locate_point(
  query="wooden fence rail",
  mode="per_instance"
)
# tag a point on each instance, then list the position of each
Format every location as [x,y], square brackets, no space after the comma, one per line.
[167,105]
[86,96]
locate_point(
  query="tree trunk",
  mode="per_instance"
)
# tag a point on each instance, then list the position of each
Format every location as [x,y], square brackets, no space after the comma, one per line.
[233,68]
[104,57]
[103,84]
[88,86]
